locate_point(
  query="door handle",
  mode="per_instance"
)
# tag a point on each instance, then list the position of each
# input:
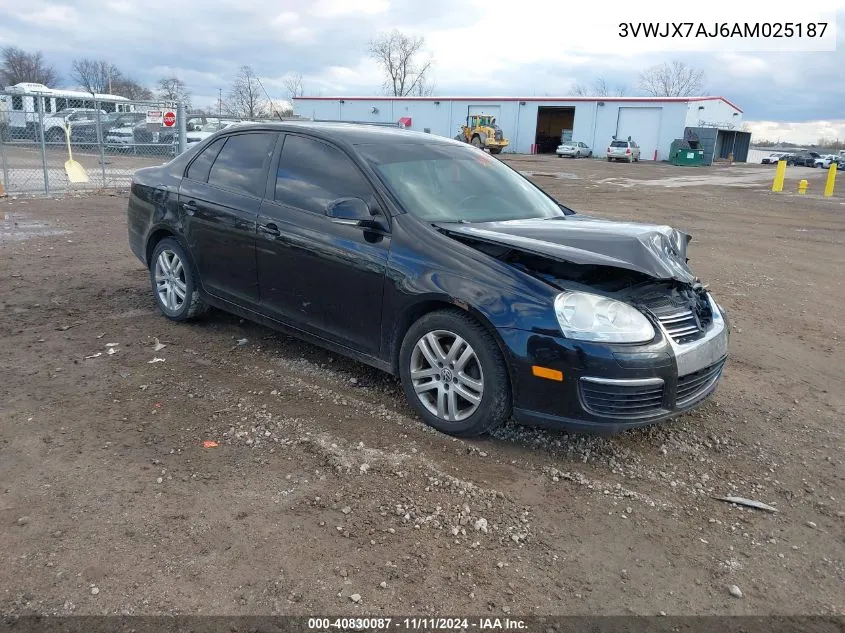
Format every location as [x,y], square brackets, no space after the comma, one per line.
[190,207]
[269,229]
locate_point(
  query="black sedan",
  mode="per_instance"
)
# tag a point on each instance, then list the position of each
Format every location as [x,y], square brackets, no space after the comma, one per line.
[434,261]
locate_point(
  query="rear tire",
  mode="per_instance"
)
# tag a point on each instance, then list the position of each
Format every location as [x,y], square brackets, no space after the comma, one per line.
[609,159]
[174,283]
[465,393]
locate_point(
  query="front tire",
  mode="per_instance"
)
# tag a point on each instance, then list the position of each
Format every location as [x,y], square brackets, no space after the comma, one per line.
[454,375]
[54,135]
[173,282]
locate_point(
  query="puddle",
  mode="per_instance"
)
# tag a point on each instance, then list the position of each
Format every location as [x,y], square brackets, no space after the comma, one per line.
[737,178]
[17,227]
[560,175]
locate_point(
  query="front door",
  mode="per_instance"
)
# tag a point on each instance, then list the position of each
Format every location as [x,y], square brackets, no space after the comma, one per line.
[219,200]
[314,273]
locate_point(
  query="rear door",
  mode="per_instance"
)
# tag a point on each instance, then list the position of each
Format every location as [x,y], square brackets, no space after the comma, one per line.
[219,200]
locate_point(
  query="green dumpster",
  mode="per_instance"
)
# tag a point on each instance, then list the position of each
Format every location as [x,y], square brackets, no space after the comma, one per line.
[686,154]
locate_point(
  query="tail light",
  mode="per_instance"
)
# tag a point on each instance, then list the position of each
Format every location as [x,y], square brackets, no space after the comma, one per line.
[608,150]
[628,151]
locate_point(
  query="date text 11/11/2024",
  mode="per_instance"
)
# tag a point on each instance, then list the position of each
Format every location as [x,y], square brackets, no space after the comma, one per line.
[415,624]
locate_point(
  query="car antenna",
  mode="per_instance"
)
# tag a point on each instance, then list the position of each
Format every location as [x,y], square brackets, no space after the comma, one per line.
[269,100]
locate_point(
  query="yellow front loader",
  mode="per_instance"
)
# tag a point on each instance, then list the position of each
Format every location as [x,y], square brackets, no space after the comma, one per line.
[481,130]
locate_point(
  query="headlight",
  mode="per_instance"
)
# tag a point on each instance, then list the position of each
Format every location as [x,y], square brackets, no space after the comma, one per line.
[590,317]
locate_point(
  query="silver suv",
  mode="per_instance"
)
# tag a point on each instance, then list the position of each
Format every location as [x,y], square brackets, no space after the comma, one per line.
[623,150]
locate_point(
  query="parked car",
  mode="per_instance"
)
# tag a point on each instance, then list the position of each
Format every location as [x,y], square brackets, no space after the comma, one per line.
[623,150]
[803,159]
[85,132]
[202,132]
[574,149]
[162,139]
[824,161]
[55,126]
[438,263]
[774,157]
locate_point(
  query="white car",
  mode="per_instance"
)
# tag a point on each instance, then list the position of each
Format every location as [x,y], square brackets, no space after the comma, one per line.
[824,161]
[773,158]
[623,150]
[199,135]
[55,125]
[573,149]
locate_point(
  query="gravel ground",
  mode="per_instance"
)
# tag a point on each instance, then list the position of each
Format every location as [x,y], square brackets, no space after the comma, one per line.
[322,493]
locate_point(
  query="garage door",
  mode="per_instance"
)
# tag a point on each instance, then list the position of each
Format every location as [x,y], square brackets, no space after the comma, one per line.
[643,126]
[495,110]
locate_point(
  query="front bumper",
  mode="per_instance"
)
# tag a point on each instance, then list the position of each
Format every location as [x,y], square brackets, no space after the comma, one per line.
[610,388]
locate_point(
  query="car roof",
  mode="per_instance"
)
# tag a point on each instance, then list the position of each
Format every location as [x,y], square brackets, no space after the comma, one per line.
[352,133]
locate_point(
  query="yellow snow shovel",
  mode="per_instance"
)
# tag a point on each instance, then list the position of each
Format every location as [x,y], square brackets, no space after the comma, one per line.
[75,171]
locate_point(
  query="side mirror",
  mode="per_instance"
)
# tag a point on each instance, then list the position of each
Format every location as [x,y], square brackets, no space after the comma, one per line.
[348,211]
[356,212]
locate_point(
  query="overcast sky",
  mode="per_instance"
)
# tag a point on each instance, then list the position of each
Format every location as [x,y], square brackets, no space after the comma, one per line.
[479,47]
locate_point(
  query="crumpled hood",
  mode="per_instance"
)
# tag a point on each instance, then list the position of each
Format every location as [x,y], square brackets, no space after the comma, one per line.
[651,249]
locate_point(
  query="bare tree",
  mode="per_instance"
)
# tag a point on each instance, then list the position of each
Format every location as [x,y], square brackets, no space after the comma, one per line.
[95,75]
[398,55]
[294,85]
[600,88]
[173,89]
[672,79]
[131,89]
[246,99]
[18,66]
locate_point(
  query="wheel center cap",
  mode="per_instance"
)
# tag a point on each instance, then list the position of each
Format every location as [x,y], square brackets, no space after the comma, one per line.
[447,374]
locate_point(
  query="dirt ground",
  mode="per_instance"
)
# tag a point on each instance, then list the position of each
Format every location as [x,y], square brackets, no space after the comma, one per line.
[325,495]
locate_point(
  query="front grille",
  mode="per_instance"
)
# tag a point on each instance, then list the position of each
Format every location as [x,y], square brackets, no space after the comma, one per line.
[622,399]
[682,325]
[692,386]
[685,317]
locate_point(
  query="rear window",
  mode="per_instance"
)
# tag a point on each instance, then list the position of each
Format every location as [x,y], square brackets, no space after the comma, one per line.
[619,144]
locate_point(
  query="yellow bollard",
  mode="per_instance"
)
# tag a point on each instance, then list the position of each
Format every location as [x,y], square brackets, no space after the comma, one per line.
[831,178]
[802,186]
[780,174]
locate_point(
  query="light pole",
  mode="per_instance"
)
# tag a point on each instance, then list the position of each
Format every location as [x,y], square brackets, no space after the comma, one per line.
[219,102]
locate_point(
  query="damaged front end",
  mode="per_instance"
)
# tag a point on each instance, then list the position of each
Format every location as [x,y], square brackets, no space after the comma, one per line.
[612,383]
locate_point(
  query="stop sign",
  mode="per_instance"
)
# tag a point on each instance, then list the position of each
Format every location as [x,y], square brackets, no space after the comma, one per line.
[169,119]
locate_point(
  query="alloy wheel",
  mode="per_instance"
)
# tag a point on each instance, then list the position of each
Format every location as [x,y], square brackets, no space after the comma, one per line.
[447,375]
[171,285]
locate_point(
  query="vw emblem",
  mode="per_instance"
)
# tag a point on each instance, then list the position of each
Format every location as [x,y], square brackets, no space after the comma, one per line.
[447,374]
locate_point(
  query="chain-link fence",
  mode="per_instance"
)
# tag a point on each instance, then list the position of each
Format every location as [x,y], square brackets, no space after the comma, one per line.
[109,139]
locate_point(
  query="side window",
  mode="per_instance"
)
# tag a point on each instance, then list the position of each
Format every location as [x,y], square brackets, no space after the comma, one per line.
[48,103]
[17,103]
[240,164]
[202,164]
[311,174]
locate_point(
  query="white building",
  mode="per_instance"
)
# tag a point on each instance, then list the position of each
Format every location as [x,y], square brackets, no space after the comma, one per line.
[537,124]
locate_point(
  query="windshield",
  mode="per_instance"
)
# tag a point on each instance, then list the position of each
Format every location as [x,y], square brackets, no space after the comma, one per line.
[451,183]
